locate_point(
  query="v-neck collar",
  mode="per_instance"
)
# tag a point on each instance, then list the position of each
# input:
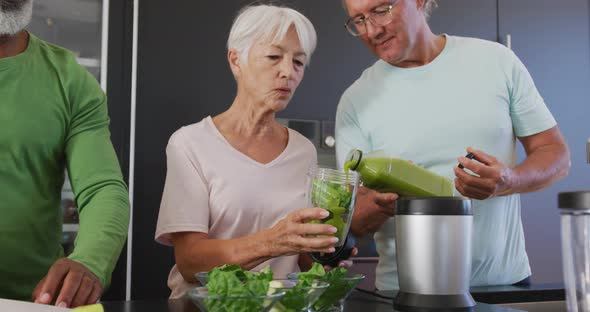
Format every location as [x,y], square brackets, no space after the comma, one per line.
[210,123]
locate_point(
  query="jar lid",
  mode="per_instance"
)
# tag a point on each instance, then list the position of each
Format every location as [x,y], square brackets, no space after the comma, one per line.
[439,206]
[574,200]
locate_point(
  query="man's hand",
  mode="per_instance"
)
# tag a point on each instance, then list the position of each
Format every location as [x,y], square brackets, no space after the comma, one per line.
[69,284]
[344,263]
[494,178]
[371,210]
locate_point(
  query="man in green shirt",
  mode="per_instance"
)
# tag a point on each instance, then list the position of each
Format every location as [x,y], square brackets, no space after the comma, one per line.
[53,116]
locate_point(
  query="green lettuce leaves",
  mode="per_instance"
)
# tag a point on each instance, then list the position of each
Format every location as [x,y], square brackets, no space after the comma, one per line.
[231,280]
[336,198]
[338,289]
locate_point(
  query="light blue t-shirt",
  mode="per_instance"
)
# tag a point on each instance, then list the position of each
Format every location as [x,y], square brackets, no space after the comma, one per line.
[475,93]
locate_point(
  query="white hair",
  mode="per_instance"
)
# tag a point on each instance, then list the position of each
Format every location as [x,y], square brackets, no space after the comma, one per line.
[13,21]
[269,23]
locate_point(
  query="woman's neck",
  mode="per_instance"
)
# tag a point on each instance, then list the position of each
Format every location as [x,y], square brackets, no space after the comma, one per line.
[248,119]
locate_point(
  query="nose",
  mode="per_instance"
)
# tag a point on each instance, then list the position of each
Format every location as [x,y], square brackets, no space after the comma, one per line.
[286,68]
[373,31]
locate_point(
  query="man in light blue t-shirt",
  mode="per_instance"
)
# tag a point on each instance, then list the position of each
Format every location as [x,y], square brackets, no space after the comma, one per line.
[433,98]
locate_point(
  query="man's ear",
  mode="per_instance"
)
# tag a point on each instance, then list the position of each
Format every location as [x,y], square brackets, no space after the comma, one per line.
[234,62]
[420,4]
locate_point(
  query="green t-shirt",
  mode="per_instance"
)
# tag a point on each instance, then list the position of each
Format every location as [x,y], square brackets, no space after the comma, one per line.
[53,116]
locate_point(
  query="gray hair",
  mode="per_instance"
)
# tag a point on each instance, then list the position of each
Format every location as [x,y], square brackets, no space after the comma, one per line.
[429,6]
[269,23]
[14,18]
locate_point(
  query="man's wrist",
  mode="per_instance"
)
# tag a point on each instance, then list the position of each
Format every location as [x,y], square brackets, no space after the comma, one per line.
[357,230]
[509,180]
[103,280]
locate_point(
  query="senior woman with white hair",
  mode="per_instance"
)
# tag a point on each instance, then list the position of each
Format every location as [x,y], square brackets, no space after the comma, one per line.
[236,182]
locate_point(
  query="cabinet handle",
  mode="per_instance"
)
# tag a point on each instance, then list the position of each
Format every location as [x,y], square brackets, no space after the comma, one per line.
[588,151]
[330,141]
[509,41]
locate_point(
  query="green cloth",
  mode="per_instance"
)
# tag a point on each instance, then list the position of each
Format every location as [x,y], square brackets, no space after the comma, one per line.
[53,116]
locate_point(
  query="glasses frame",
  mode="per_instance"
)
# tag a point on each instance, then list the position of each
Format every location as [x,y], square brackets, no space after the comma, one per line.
[349,24]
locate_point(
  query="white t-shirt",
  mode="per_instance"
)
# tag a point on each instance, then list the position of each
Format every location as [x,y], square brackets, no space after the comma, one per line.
[213,188]
[475,93]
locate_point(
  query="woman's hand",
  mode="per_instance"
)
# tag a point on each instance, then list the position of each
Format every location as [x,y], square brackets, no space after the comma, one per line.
[293,236]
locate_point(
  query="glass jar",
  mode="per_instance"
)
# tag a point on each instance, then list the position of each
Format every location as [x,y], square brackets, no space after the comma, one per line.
[575,243]
[335,191]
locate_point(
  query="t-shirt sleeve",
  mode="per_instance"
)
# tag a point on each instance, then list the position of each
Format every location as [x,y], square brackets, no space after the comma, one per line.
[528,111]
[349,134]
[185,201]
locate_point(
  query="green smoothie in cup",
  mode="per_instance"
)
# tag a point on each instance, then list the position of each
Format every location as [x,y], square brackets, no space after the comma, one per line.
[334,198]
[334,191]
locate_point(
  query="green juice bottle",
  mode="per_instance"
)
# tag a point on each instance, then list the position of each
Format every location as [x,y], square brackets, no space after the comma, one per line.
[395,175]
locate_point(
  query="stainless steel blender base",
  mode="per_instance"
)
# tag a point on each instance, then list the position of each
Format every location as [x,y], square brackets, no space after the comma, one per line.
[409,302]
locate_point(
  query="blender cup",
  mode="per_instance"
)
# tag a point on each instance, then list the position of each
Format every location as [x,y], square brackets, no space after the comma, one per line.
[335,191]
[575,244]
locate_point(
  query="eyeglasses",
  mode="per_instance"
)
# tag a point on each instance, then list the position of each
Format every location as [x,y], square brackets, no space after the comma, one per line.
[380,16]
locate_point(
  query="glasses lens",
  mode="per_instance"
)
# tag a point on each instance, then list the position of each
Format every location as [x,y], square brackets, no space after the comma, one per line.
[355,28]
[381,18]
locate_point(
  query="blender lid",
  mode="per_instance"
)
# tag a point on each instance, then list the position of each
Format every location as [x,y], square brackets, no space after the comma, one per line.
[441,206]
[574,200]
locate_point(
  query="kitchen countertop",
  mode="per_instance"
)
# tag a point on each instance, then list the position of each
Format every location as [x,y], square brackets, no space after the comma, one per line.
[356,302]
[510,294]
[367,303]
[531,293]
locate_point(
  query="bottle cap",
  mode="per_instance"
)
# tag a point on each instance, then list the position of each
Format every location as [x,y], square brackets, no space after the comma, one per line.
[470,156]
[354,157]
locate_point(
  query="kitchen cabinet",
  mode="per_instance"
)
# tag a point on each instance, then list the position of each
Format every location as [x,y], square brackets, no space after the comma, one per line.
[466,18]
[552,39]
[76,25]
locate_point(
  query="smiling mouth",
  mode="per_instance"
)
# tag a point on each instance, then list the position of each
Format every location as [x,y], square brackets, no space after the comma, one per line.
[379,44]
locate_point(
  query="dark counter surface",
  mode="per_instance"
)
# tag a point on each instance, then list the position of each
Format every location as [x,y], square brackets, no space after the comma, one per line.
[356,302]
[510,294]
[359,301]
[530,293]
